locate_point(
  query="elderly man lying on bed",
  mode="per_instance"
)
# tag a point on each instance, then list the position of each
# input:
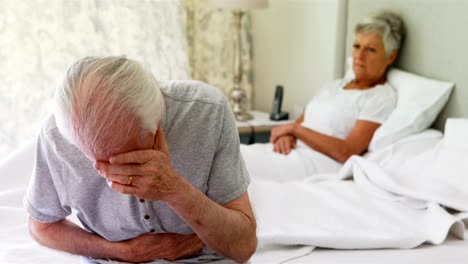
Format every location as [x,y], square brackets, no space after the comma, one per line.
[153,172]
[340,121]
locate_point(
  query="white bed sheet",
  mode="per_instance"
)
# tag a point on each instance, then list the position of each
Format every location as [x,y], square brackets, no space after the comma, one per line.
[280,230]
[16,247]
[453,251]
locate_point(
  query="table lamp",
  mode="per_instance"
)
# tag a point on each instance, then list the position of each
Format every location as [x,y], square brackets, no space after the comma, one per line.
[237,95]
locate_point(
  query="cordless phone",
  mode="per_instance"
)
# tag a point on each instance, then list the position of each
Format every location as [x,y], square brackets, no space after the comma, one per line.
[276,113]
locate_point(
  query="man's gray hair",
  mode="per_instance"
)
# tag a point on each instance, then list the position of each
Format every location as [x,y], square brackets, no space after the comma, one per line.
[104,102]
[388,25]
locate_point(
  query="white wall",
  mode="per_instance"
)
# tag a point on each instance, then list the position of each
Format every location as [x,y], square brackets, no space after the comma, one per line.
[298,44]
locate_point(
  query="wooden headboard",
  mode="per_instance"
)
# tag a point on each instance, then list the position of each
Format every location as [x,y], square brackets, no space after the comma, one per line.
[436,43]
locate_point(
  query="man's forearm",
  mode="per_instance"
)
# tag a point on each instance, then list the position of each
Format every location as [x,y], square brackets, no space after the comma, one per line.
[228,232]
[67,236]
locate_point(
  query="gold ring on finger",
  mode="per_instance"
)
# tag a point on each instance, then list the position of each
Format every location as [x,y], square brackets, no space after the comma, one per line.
[130,180]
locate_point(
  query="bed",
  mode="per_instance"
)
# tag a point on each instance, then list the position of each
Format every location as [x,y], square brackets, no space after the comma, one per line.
[391,203]
[18,248]
[423,54]
[429,50]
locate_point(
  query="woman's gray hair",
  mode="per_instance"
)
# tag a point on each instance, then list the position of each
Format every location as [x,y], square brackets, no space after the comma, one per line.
[105,102]
[388,25]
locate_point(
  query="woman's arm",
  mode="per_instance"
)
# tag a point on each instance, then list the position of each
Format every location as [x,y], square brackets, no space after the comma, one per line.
[284,129]
[66,236]
[355,144]
[285,143]
[300,119]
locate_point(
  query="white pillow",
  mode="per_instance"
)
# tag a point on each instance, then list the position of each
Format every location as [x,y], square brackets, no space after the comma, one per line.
[419,102]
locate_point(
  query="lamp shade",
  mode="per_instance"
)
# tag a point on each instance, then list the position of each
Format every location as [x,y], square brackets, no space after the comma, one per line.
[238,4]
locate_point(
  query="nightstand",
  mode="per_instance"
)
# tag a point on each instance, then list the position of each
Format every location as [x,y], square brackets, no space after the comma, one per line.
[258,129]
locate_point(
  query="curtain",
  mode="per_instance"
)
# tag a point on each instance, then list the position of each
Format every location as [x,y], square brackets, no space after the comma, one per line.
[39,39]
[175,39]
[210,35]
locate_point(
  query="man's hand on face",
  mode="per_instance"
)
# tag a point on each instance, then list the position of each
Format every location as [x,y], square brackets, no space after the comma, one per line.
[150,172]
[170,246]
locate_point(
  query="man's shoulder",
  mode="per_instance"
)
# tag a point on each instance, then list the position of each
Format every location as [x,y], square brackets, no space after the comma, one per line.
[49,126]
[51,135]
[190,91]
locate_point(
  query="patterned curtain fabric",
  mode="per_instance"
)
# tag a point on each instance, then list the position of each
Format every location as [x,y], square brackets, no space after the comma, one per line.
[39,39]
[210,35]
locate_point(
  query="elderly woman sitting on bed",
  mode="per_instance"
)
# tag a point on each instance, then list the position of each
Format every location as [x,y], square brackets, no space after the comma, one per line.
[340,121]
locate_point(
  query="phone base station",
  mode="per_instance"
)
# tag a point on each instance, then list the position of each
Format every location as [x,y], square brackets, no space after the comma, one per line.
[280,116]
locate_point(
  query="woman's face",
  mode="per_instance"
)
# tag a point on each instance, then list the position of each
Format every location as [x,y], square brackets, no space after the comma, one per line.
[369,58]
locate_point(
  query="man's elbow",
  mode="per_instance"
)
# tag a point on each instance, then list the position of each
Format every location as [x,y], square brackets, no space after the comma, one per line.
[247,251]
[37,230]
[34,229]
[244,259]
[247,248]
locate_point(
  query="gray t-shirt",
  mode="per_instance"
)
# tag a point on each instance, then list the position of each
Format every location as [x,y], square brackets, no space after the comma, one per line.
[203,141]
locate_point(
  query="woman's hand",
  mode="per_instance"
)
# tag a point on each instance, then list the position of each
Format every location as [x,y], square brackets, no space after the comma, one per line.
[170,246]
[285,144]
[280,131]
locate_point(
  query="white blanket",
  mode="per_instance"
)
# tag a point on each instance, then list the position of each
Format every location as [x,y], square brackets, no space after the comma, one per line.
[352,214]
[392,201]
[264,164]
